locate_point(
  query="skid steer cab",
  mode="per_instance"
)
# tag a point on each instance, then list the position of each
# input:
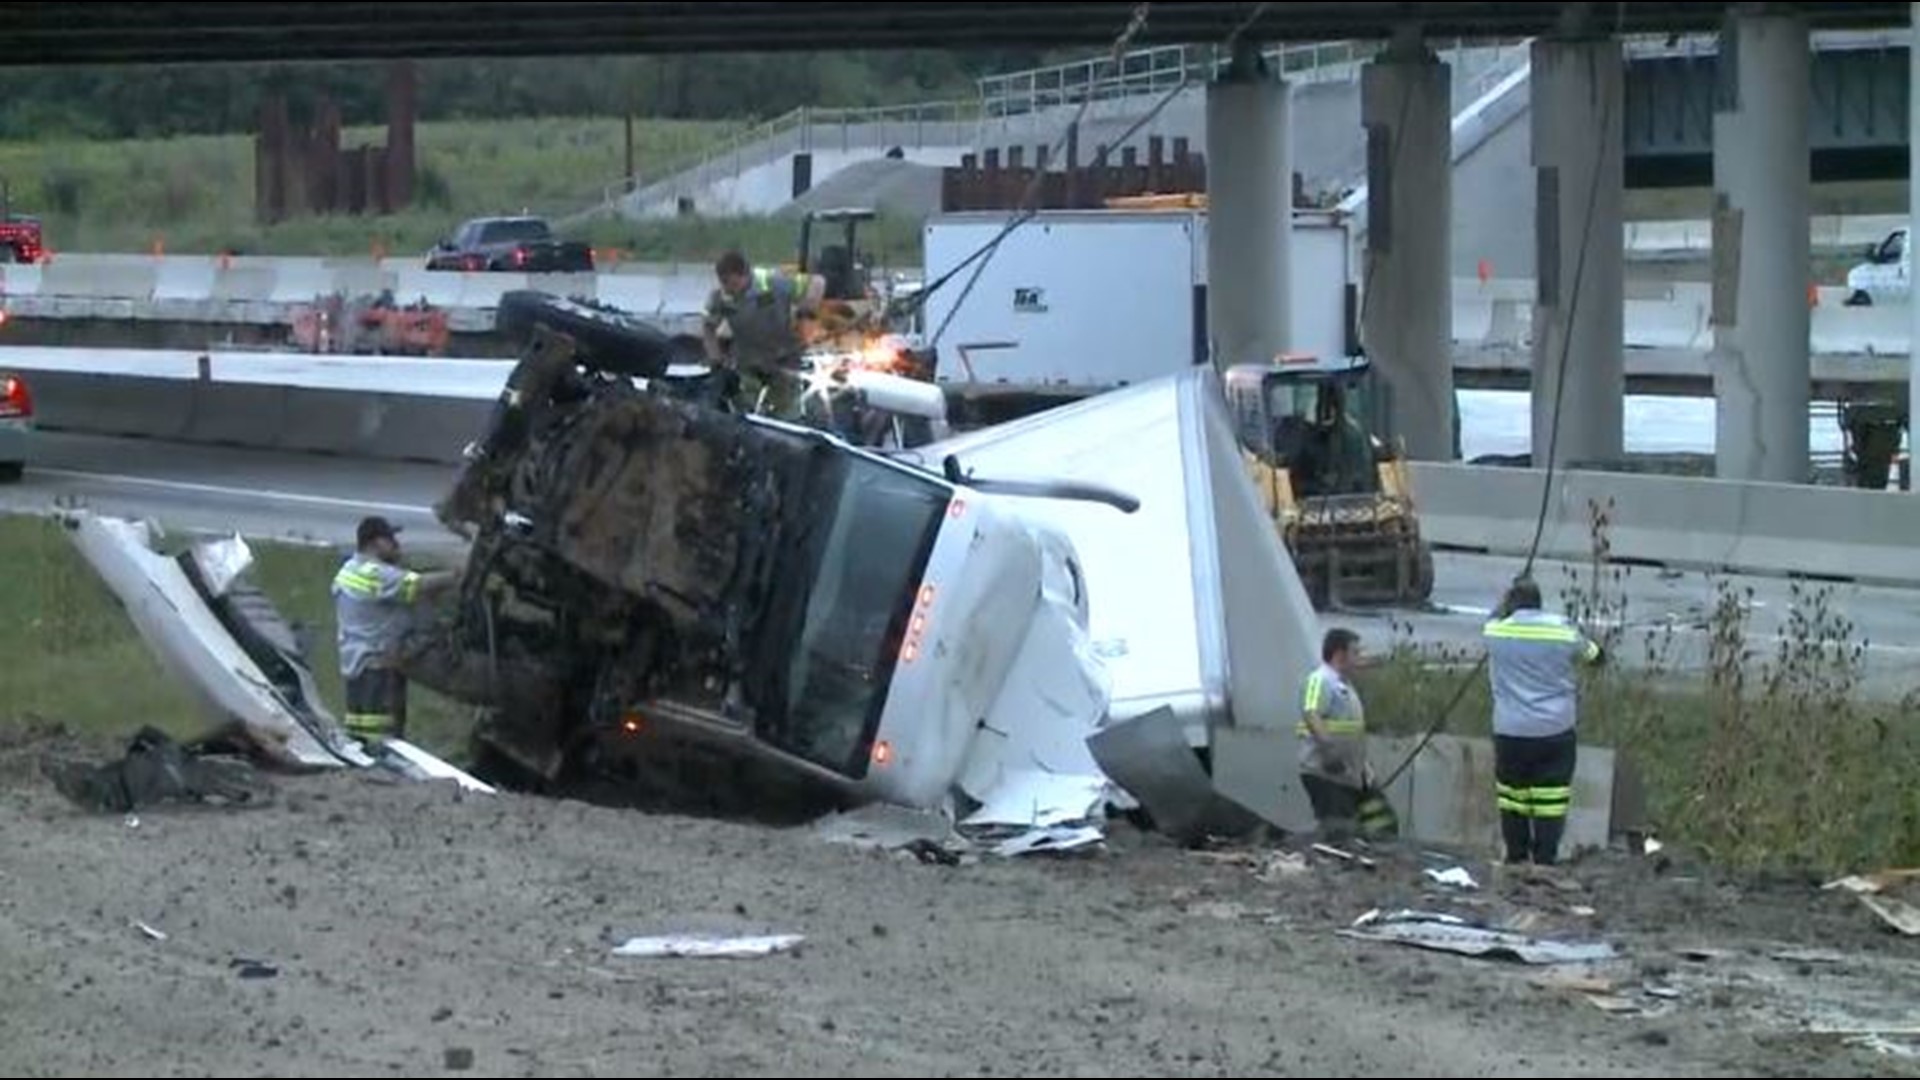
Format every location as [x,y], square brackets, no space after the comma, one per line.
[1335,484]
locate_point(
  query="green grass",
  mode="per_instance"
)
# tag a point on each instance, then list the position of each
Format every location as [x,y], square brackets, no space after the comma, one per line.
[1773,761]
[195,194]
[74,658]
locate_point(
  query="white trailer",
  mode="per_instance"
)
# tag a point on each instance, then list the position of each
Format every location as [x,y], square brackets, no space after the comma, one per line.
[1076,302]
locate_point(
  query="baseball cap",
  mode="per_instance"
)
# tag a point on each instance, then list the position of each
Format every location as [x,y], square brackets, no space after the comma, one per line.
[375,528]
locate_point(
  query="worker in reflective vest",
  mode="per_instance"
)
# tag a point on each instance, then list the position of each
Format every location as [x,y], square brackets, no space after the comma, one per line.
[372,598]
[1333,736]
[759,306]
[1532,660]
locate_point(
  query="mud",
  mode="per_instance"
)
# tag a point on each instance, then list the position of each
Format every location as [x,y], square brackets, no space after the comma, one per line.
[361,928]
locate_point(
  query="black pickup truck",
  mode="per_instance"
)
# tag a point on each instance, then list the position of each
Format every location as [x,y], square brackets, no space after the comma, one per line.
[523,245]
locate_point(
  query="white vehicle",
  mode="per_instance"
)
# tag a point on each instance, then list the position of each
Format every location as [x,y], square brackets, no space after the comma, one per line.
[700,605]
[1078,302]
[1887,275]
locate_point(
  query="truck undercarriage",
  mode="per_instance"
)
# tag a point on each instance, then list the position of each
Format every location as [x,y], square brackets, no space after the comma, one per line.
[641,594]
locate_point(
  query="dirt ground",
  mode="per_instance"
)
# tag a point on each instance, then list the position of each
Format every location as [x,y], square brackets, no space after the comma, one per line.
[359,928]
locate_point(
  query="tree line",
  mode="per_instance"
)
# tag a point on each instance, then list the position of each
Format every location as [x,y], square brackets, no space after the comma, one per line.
[154,102]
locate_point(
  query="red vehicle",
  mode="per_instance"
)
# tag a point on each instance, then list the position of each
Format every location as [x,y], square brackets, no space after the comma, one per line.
[16,426]
[20,239]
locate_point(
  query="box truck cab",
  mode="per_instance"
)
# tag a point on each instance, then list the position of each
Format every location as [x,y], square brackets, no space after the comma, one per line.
[701,605]
[1887,275]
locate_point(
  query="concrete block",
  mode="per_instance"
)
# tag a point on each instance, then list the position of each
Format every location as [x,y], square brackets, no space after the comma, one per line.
[113,404]
[1451,795]
[18,280]
[237,414]
[99,279]
[244,282]
[301,281]
[183,278]
[1688,522]
[1260,769]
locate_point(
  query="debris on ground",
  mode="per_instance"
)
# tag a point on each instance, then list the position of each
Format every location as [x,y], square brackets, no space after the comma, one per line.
[1455,877]
[252,969]
[1451,933]
[155,771]
[1344,855]
[706,946]
[150,931]
[1877,882]
[1896,913]
[221,636]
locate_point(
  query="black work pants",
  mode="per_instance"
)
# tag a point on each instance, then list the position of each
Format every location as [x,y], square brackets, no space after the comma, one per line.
[1335,805]
[1533,779]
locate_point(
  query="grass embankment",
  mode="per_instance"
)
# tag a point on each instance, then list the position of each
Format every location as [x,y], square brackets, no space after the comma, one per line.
[194,195]
[74,659]
[1772,761]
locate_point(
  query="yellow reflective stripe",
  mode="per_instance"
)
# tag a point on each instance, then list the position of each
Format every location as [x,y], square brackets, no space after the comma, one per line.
[369,723]
[1510,806]
[1316,691]
[357,584]
[1510,631]
[1591,652]
[1552,794]
[410,587]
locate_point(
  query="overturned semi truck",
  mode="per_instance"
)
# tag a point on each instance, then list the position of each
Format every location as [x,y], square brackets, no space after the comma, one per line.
[699,603]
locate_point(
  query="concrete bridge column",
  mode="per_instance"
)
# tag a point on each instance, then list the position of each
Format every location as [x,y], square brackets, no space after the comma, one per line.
[1250,213]
[1913,214]
[1579,163]
[1761,261]
[1407,107]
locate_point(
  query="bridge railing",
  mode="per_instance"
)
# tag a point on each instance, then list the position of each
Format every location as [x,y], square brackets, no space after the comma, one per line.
[797,130]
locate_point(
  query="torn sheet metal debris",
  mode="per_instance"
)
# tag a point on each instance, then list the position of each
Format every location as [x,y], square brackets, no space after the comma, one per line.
[187,635]
[1450,933]
[432,768]
[1453,877]
[705,946]
[1879,881]
[1034,798]
[1343,855]
[1149,758]
[887,827]
[151,932]
[1898,914]
[1056,839]
[222,637]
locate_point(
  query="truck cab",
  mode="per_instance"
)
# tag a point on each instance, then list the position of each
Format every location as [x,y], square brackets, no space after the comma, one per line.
[697,604]
[1887,274]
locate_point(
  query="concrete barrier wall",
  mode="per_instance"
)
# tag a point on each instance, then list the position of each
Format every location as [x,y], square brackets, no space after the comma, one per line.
[1493,314]
[380,426]
[1787,529]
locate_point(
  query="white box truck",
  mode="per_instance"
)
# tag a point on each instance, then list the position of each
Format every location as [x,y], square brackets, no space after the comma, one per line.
[1077,302]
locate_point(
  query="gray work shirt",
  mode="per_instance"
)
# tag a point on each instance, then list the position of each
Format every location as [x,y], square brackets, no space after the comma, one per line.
[761,318]
[1531,658]
[1337,705]
[370,605]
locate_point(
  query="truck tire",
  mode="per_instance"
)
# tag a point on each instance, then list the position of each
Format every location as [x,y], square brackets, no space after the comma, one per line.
[1860,298]
[617,342]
